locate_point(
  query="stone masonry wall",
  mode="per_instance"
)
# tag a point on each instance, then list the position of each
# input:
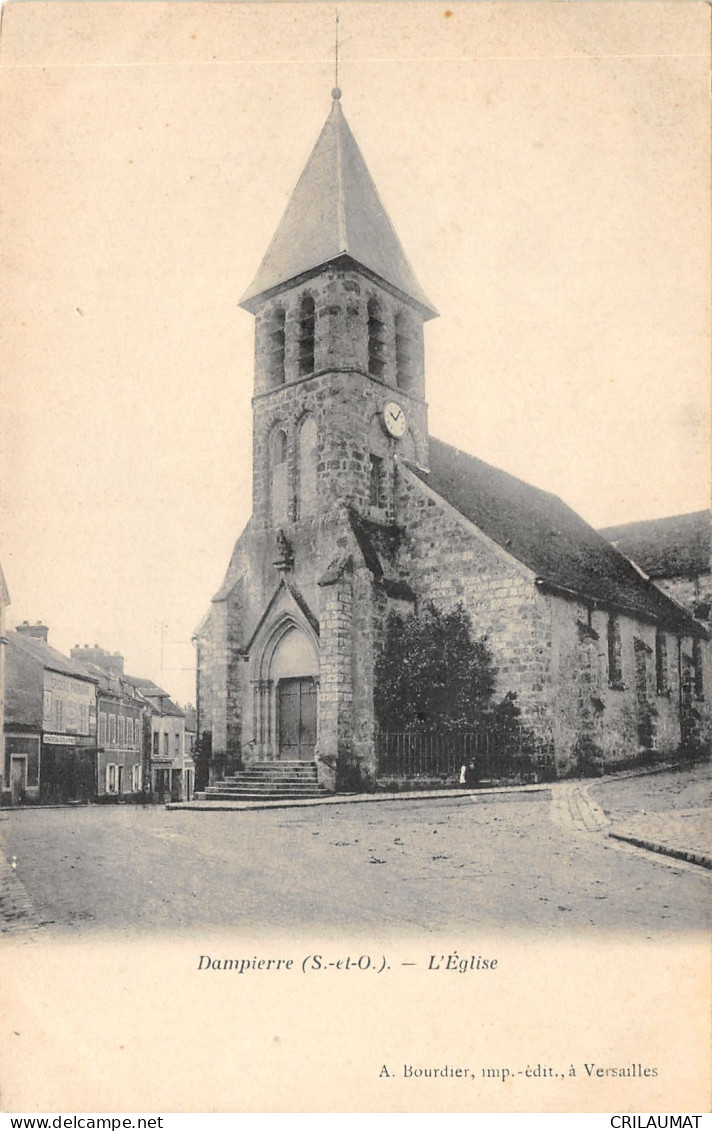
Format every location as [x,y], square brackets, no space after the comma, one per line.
[447,563]
[549,649]
[597,718]
[341,395]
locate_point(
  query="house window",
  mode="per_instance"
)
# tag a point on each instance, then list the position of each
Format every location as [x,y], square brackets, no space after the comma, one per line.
[661,674]
[615,666]
[177,743]
[405,352]
[279,476]
[275,348]
[166,749]
[112,729]
[306,336]
[376,339]
[122,730]
[377,491]
[306,468]
[156,737]
[111,778]
[102,727]
[136,778]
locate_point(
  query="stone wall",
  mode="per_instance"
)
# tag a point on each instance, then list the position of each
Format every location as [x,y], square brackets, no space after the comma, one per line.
[552,651]
[448,562]
[601,721]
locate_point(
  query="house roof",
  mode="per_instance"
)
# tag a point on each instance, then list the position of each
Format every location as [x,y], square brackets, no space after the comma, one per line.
[335,211]
[546,536]
[159,699]
[679,546]
[48,657]
[116,686]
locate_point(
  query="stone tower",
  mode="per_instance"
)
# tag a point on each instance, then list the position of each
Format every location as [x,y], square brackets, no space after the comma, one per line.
[286,653]
[338,334]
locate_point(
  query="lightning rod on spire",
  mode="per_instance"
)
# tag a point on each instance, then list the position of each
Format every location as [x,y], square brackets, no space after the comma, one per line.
[336,93]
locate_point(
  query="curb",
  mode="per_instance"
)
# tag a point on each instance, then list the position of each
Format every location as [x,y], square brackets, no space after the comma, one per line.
[699,858]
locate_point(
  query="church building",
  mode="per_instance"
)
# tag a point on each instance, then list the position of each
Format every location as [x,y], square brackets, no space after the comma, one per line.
[358,511]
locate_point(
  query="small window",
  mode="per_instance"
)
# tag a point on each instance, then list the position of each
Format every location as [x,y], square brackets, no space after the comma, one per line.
[306,336]
[166,750]
[661,673]
[279,447]
[642,654]
[156,737]
[615,667]
[102,727]
[112,729]
[377,486]
[111,778]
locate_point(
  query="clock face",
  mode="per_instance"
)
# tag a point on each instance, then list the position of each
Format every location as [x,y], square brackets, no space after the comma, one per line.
[394,419]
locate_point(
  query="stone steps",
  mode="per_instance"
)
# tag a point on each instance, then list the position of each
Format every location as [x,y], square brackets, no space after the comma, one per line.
[263,795]
[267,781]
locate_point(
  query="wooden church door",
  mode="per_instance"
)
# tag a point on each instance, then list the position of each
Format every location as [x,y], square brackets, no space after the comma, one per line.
[296,709]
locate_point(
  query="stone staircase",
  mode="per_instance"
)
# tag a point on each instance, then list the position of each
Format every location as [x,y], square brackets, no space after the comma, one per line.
[268,781]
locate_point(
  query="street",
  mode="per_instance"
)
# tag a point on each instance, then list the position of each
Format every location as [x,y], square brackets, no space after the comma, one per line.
[497,861]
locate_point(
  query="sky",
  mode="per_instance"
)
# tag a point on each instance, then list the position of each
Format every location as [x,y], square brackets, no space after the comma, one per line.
[545,166]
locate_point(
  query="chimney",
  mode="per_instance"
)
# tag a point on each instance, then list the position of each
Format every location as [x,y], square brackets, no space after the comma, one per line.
[37,631]
[111,664]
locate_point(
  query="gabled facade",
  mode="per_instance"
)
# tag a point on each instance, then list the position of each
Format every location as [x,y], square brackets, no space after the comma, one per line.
[169,771]
[357,511]
[50,722]
[120,727]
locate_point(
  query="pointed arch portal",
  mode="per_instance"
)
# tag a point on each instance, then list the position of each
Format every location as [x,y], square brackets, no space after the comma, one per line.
[285,671]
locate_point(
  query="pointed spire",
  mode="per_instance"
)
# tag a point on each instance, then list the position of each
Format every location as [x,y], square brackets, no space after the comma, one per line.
[335,211]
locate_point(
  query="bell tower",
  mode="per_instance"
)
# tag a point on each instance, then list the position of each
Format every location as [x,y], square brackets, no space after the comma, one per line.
[339,371]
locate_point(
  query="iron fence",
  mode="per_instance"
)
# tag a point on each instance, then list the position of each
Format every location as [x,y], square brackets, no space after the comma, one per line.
[488,753]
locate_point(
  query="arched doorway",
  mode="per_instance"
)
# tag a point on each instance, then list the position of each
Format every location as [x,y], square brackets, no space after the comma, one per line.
[286,691]
[294,672]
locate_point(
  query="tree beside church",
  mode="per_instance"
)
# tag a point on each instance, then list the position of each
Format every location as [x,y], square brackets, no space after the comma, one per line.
[360,515]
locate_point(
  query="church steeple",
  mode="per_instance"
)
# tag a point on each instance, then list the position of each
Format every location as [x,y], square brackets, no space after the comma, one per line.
[335,214]
[339,354]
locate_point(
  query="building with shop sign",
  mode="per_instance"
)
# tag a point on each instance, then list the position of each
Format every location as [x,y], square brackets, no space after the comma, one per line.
[50,722]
